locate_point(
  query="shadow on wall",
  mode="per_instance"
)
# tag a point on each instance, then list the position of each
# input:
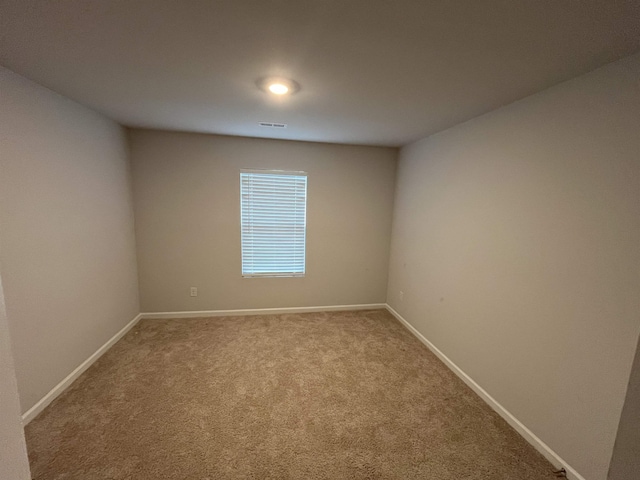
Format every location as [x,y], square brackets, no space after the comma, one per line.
[625,462]
[13,451]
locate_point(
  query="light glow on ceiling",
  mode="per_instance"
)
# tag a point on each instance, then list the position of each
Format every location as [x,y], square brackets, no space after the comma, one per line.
[278,85]
[278,88]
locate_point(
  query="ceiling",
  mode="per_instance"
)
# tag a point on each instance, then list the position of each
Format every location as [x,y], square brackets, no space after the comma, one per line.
[377,72]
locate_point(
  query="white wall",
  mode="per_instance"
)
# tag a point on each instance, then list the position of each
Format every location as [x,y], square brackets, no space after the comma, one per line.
[68,247]
[187,201]
[14,464]
[516,243]
[625,462]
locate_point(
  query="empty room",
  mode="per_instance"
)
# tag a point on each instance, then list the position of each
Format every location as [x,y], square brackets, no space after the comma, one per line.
[319,239]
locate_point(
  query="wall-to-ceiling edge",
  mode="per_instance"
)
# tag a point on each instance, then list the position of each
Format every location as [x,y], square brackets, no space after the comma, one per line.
[515,253]
[68,249]
[187,215]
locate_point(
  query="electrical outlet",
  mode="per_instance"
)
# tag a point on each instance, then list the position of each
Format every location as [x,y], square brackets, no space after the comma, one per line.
[401,295]
[194,291]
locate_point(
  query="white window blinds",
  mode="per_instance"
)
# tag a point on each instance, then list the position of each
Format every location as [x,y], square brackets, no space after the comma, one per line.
[273,211]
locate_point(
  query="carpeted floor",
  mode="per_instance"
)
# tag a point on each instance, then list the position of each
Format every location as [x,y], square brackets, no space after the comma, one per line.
[340,395]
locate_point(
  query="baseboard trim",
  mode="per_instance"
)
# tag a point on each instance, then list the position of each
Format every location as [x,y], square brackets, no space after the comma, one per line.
[517,425]
[527,434]
[69,379]
[260,311]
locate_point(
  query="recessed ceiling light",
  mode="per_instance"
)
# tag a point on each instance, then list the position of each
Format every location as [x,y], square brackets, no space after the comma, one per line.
[278,88]
[278,85]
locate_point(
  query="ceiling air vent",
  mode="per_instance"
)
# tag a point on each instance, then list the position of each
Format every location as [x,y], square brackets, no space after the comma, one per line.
[273,125]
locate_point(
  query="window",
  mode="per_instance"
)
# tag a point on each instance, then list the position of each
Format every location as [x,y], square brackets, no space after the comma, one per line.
[273,219]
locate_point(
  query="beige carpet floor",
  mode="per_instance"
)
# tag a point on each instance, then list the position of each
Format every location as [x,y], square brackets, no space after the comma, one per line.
[340,395]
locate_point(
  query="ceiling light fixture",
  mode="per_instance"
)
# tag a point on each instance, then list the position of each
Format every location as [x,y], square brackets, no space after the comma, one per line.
[278,88]
[278,85]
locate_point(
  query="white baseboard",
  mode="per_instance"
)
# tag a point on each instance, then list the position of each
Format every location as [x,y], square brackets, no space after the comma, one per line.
[527,434]
[64,384]
[518,426]
[260,311]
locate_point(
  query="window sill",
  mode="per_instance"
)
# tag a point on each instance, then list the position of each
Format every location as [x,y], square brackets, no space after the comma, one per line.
[273,275]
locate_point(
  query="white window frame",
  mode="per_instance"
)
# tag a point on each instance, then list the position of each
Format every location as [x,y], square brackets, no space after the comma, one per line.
[253,274]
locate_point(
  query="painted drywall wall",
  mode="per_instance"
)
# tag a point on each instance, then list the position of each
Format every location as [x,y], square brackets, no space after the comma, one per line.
[515,243]
[187,208]
[625,462]
[68,246]
[14,463]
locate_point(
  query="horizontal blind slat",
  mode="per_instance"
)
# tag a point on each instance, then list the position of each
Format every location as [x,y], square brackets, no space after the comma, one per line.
[273,223]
